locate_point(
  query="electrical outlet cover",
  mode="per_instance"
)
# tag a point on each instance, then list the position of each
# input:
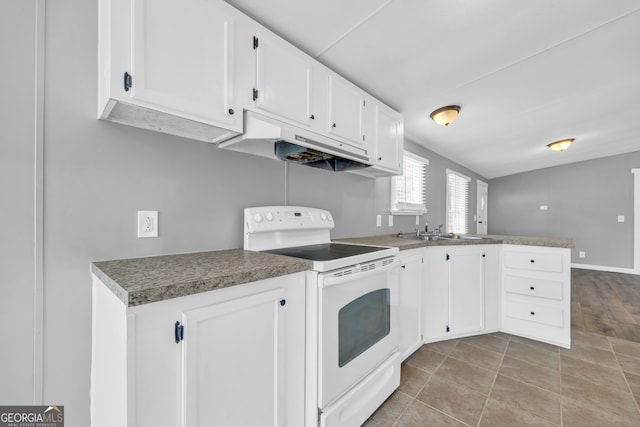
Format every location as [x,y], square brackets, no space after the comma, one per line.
[147,224]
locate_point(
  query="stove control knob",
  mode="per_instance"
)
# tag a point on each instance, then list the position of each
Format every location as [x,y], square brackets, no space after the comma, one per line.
[323,216]
[257,217]
[269,216]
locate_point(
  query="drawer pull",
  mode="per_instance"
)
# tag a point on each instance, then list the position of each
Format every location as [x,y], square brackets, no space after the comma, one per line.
[532,288]
[533,313]
[532,261]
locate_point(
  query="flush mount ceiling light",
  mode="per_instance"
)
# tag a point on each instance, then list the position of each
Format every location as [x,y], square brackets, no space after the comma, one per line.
[561,145]
[445,115]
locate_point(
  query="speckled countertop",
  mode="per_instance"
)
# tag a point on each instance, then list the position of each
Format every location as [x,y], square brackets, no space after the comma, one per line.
[404,244]
[144,280]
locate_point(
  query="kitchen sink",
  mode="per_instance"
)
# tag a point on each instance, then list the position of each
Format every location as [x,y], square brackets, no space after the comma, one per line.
[423,237]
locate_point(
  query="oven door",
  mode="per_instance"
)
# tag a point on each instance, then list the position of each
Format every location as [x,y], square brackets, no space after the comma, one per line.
[358,324]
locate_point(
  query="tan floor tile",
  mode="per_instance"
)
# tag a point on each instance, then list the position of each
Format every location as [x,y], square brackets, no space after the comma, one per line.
[420,415]
[595,373]
[537,344]
[591,354]
[581,414]
[370,423]
[527,398]
[477,356]
[488,342]
[412,379]
[590,339]
[498,414]
[501,335]
[537,375]
[466,375]
[391,409]
[459,402]
[629,364]
[628,331]
[604,398]
[533,354]
[425,359]
[443,347]
[634,382]
[625,347]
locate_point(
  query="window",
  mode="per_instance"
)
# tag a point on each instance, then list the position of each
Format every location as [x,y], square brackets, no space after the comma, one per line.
[457,202]
[408,191]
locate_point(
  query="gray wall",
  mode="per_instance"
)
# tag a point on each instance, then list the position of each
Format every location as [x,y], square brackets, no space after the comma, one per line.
[17,206]
[98,174]
[584,202]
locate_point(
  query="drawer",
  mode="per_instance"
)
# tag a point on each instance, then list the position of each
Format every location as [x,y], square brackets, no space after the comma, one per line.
[533,287]
[550,262]
[551,316]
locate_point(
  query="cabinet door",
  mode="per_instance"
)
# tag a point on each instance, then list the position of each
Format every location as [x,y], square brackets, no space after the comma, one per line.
[388,142]
[410,331]
[283,76]
[233,362]
[181,60]
[346,105]
[435,295]
[466,290]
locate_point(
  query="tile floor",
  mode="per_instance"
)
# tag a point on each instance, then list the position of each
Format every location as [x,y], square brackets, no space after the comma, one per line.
[503,380]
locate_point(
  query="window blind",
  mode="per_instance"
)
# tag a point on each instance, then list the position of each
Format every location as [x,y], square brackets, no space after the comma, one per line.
[457,202]
[408,191]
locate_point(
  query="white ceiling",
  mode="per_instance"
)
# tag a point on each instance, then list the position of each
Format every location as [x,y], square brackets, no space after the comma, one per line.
[525,73]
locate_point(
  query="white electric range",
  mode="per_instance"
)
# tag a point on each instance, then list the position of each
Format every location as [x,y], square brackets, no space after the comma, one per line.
[353,363]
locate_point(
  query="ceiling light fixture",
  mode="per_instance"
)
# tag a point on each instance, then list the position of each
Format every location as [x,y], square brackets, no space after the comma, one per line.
[445,115]
[561,145]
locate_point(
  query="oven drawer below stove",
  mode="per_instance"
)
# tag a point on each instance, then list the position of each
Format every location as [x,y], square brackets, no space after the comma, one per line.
[353,409]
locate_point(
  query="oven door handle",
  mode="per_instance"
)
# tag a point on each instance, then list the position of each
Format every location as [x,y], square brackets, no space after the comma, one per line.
[330,280]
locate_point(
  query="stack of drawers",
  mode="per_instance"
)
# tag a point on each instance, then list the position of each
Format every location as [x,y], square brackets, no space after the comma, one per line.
[536,296]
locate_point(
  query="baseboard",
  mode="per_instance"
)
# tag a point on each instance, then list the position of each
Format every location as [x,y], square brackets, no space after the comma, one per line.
[605,268]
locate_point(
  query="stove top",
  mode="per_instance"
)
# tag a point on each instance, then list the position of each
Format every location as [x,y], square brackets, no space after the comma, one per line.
[326,251]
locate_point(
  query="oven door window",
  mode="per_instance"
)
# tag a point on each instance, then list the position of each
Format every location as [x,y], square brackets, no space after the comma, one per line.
[362,323]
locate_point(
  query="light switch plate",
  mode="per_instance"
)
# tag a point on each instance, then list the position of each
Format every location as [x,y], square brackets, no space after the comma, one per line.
[582,254]
[390,220]
[378,220]
[620,218]
[544,207]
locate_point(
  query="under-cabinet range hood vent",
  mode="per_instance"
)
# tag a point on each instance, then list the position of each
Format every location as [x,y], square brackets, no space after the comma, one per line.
[272,138]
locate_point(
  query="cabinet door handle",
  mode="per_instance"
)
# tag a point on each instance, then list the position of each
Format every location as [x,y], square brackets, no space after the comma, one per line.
[312,117]
[533,313]
[333,125]
[403,266]
[283,302]
[532,261]
[127,82]
[532,288]
[231,112]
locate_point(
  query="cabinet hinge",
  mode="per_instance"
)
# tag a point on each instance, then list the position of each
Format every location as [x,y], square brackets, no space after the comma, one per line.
[448,257]
[448,328]
[128,81]
[319,414]
[363,102]
[179,332]
[255,42]
[363,136]
[255,94]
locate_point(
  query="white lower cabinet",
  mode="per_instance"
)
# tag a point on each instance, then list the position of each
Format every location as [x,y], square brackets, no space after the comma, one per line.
[411,281]
[536,297]
[460,292]
[240,361]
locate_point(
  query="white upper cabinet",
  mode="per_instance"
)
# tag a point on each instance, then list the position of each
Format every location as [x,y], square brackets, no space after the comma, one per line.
[388,138]
[169,66]
[346,105]
[283,79]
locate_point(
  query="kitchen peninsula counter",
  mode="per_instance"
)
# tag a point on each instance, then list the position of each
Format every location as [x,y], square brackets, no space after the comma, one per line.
[144,280]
